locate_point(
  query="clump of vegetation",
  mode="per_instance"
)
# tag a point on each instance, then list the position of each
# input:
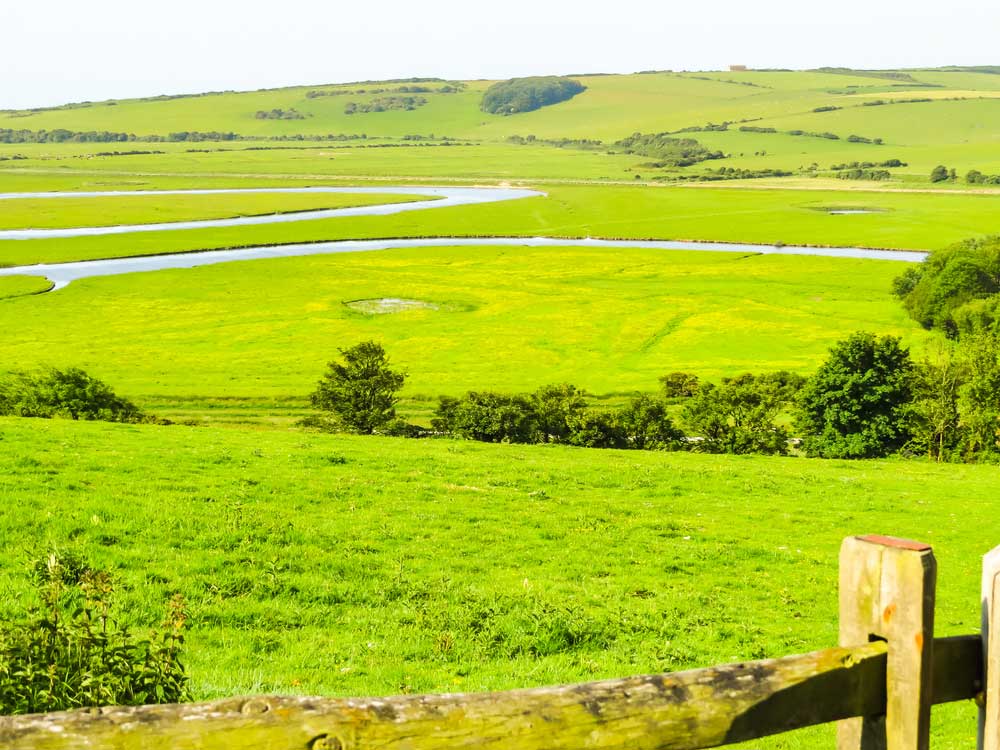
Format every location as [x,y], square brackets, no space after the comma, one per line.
[865,174]
[869,164]
[955,289]
[448,88]
[557,413]
[863,139]
[975,177]
[279,114]
[70,651]
[856,405]
[360,392]
[70,393]
[740,415]
[386,104]
[892,75]
[528,94]
[666,150]
[941,173]
[581,143]
[728,173]
[809,134]
[680,385]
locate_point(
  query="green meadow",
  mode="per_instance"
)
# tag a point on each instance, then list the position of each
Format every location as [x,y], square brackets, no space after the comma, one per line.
[316,564]
[38,213]
[19,286]
[348,565]
[917,221]
[505,318]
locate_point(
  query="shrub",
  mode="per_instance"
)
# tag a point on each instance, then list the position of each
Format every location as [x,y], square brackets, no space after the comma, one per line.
[69,651]
[488,416]
[555,407]
[679,385]
[597,428]
[939,173]
[738,416]
[68,393]
[645,425]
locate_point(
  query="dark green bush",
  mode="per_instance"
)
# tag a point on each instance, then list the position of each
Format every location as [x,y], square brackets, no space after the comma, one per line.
[666,150]
[488,417]
[739,416]
[66,393]
[69,651]
[949,279]
[527,94]
[857,405]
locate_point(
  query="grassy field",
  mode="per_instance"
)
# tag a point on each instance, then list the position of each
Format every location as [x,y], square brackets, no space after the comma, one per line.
[39,213]
[19,286]
[350,565]
[919,221]
[508,318]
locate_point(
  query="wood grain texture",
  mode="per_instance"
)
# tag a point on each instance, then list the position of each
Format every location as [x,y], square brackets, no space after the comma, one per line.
[681,711]
[887,592]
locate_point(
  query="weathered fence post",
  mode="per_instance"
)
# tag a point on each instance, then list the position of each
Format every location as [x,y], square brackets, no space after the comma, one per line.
[989,712]
[887,593]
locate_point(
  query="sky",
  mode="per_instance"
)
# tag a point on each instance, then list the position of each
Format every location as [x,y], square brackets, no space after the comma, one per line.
[66,51]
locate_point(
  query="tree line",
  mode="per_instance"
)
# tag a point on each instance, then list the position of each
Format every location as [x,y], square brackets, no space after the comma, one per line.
[869,399]
[60,135]
[385,104]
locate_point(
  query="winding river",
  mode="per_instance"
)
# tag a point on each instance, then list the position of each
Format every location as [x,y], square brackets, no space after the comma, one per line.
[62,274]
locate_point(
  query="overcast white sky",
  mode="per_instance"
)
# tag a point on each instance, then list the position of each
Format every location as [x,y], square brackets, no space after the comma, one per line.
[66,50]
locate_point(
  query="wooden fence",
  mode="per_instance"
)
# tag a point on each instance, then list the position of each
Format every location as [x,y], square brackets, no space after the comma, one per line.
[880,684]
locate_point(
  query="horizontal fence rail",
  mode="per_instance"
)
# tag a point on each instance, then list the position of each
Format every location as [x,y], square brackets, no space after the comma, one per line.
[680,711]
[879,685]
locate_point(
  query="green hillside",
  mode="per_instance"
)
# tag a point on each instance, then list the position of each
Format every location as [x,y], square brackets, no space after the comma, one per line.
[962,112]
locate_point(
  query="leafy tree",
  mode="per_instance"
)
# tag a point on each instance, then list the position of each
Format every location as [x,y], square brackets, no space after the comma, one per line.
[598,428]
[70,393]
[856,406]
[555,406]
[361,390]
[939,173]
[976,316]
[645,425]
[950,279]
[907,281]
[737,417]
[935,418]
[679,385]
[979,396]
[488,416]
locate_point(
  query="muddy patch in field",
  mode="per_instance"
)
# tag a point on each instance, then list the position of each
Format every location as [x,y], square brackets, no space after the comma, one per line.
[387,305]
[849,210]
